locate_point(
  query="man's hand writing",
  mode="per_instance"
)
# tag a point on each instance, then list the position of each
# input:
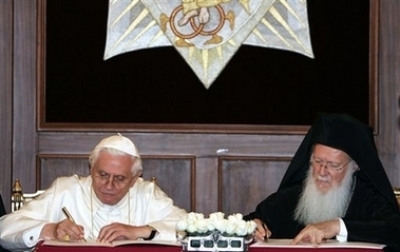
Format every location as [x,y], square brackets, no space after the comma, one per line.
[64,230]
[262,233]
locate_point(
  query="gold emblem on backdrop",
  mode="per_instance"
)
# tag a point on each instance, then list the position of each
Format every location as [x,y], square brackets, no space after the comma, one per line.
[207,33]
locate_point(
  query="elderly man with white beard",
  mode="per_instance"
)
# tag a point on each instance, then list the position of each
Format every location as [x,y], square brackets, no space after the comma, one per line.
[334,188]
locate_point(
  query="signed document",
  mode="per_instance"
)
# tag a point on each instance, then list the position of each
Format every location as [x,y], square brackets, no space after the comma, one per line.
[285,243]
[93,243]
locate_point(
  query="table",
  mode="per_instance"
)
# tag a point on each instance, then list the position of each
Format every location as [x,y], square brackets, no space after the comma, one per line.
[160,248]
[137,248]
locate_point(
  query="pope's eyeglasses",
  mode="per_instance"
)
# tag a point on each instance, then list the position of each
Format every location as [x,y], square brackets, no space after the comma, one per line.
[328,165]
[117,180]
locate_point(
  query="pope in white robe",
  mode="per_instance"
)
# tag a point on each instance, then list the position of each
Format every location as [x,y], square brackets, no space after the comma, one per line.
[112,203]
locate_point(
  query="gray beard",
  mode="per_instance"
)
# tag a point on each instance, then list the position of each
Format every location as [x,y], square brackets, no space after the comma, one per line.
[315,206]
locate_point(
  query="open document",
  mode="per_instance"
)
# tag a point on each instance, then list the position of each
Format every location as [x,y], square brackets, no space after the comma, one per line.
[93,243]
[285,243]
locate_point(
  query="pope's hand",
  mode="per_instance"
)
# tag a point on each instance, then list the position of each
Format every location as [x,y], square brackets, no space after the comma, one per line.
[119,231]
[65,230]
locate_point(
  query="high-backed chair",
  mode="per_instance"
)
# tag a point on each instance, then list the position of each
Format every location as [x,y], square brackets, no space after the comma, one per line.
[18,198]
[397,193]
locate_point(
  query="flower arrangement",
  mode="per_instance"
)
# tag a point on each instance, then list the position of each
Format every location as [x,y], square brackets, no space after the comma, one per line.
[215,233]
[234,225]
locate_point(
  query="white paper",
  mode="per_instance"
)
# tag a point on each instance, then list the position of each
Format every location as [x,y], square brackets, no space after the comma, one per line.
[285,243]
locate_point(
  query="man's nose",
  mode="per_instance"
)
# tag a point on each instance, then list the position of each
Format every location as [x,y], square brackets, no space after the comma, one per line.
[322,169]
[110,182]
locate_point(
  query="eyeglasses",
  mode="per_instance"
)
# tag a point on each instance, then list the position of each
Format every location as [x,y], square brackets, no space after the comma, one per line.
[328,165]
[117,180]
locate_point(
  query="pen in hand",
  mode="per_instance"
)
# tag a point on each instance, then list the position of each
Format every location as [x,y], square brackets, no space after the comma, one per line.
[266,231]
[264,226]
[69,216]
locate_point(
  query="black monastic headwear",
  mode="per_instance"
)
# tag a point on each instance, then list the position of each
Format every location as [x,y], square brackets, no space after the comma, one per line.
[345,133]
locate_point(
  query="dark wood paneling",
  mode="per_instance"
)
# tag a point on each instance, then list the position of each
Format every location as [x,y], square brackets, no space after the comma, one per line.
[206,185]
[244,182]
[51,167]
[388,140]
[202,146]
[6,115]
[204,149]
[24,91]
[175,175]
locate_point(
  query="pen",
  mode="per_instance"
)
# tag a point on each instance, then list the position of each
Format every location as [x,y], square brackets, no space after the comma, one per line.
[69,216]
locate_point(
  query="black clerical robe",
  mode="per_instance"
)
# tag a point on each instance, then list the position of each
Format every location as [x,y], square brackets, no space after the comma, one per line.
[369,217]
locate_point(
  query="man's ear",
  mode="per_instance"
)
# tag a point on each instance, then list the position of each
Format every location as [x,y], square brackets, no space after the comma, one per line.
[135,177]
[355,168]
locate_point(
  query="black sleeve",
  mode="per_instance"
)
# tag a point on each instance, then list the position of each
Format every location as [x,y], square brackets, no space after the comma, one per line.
[277,212]
[372,218]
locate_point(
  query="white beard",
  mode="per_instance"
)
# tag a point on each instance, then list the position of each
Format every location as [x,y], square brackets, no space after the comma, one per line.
[315,206]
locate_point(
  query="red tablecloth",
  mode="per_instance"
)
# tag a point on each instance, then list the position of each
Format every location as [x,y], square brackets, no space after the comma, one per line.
[136,248]
[160,248]
[312,250]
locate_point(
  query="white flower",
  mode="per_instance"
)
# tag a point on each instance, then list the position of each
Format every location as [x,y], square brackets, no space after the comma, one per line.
[221,225]
[230,229]
[210,225]
[192,217]
[217,216]
[202,225]
[182,224]
[233,225]
[251,226]
[235,217]
[241,228]
[191,228]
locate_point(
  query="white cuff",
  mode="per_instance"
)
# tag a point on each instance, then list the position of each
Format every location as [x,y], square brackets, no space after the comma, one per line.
[342,236]
[31,236]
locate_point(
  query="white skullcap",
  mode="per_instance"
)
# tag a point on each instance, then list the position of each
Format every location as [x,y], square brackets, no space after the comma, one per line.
[119,142]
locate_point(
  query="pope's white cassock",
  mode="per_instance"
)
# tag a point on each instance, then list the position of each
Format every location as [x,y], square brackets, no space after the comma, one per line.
[144,204]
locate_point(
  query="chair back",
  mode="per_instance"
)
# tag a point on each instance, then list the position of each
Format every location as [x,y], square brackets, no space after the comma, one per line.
[18,198]
[397,193]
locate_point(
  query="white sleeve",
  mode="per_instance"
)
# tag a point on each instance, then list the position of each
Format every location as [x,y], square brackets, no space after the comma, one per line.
[21,232]
[342,236]
[160,213]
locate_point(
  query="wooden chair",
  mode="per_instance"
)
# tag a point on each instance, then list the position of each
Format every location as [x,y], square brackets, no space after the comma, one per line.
[397,193]
[18,198]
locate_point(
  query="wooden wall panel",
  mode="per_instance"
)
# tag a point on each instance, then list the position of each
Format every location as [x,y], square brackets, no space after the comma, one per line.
[388,139]
[174,175]
[24,91]
[6,115]
[244,182]
[51,167]
[206,185]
